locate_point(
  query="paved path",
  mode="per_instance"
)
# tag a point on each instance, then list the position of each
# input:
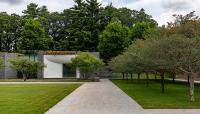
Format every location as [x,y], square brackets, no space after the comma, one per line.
[106,98]
[96,98]
[42,83]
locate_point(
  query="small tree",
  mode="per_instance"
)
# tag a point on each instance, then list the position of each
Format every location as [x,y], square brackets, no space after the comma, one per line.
[86,63]
[26,66]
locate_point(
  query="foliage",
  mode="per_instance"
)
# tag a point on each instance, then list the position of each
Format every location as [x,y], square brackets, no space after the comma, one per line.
[187,25]
[113,40]
[163,54]
[139,31]
[26,66]
[76,28]
[33,36]
[10,26]
[86,62]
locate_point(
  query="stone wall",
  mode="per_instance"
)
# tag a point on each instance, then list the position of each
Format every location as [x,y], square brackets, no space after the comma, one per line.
[7,71]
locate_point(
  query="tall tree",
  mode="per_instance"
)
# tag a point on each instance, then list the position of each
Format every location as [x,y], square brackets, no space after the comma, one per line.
[33,36]
[139,30]
[141,16]
[9,31]
[113,40]
[93,23]
[187,25]
[32,11]
[78,36]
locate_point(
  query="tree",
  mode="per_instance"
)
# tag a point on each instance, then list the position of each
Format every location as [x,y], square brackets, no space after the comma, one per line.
[162,54]
[141,16]
[113,40]
[10,26]
[181,54]
[33,36]
[86,63]
[32,11]
[56,31]
[139,30]
[78,35]
[187,25]
[26,66]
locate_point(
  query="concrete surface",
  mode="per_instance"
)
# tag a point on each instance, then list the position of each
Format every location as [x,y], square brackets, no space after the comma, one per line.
[97,98]
[106,98]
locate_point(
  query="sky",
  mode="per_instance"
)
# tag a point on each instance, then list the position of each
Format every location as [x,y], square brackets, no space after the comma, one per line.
[161,10]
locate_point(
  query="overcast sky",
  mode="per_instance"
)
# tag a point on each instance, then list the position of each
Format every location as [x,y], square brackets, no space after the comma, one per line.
[161,10]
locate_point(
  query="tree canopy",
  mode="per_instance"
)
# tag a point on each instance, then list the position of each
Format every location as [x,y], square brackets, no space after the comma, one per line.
[33,36]
[26,66]
[76,28]
[114,39]
[86,62]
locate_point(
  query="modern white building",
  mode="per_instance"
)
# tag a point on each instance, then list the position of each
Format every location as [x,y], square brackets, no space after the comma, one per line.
[56,66]
[55,61]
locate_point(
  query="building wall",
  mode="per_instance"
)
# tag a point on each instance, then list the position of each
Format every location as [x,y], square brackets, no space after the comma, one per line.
[7,71]
[10,72]
[54,65]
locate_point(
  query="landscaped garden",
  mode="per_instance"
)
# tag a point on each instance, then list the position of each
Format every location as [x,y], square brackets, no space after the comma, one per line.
[32,99]
[175,96]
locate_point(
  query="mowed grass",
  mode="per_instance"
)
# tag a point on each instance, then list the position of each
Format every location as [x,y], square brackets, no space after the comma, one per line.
[43,80]
[32,99]
[175,97]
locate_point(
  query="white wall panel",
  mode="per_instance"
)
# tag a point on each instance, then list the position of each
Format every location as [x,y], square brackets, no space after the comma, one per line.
[54,65]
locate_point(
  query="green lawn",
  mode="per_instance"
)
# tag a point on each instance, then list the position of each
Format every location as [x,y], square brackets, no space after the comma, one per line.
[175,96]
[135,76]
[43,80]
[31,99]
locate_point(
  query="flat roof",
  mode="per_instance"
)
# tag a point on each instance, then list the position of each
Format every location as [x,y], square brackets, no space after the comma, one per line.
[60,52]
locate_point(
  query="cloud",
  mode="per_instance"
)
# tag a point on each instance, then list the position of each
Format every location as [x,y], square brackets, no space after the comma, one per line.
[161,10]
[12,2]
[117,3]
[177,4]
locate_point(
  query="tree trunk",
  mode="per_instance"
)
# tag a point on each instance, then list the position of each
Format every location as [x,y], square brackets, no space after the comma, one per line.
[162,82]
[139,77]
[173,77]
[131,76]
[123,75]
[24,76]
[188,77]
[147,79]
[191,79]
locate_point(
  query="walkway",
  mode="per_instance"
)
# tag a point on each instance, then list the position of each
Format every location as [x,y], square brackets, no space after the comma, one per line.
[106,98]
[97,98]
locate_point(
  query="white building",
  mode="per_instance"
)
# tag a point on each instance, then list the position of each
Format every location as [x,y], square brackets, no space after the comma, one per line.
[55,62]
[56,67]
